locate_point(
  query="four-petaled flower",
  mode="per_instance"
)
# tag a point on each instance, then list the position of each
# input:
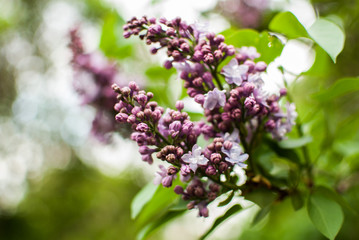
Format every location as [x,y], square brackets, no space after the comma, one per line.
[235,155]
[250,52]
[235,73]
[214,99]
[195,158]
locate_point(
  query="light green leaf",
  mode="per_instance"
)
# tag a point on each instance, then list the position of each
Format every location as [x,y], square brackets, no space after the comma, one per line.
[142,198]
[295,143]
[339,88]
[286,23]
[267,45]
[234,209]
[325,213]
[328,36]
[261,214]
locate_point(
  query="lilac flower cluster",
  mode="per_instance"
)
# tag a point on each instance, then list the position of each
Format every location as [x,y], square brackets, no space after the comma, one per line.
[93,78]
[236,107]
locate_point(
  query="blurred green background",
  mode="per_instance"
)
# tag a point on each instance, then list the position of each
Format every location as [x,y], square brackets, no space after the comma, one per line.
[55,185]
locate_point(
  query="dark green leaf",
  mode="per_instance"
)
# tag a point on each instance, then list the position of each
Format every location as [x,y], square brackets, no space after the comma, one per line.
[261,214]
[261,196]
[325,213]
[228,200]
[286,23]
[339,88]
[234,209]
[297,200]
[142,198]
[329,36]
[289,154]
[295,143]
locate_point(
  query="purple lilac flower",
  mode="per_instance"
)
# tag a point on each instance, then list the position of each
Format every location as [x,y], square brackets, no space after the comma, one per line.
[249,52]
[235,73]
[215,98]
[235,155]
[195,158]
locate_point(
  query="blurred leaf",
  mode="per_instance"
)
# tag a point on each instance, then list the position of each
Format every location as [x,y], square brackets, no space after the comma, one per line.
[289,154]
[325,213]
[288,24]
[112,43]
[321,63]
[261,214]
[261,196]
[142,198]
[339,88]
[295,143]
[329,36]
[329,193]
[267,45]
[228,200]
[234,209]
[297,200]
[159,204]
[152,226]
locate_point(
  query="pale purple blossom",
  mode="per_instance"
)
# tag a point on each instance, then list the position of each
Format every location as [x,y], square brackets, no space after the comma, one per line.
[235,73]
[256,80]
[232,137]
[291,114]
[249,52]
[235,155]
[195,158]
[215,98]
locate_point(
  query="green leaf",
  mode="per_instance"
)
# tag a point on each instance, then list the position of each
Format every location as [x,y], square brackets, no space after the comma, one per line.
[228,199]
[288,154]
[297,200]
[325,213]
[261,196]
[328,36]
[261,215]
[295,143]
[152,226]
[234,209]
[339,88]
[158,205]
[286,23]
[267,45]
[142,198]
[112,43]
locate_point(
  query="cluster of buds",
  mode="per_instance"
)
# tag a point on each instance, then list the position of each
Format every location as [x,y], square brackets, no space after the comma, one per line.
[93,78]
[235,106]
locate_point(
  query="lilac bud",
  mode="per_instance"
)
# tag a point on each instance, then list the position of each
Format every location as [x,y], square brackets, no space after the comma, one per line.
[121,117]
[147,158]
[167,181]
[187,127]
[142,99]
[172,170]
[171,31]
[218,55]
[225,116]
[142,127]
[133,86]
[219,39]
[162,20]
[216,158]
[227,145]
[210,35]
[198,191]
[118,106]
[203,212]
[211,170]
[250,64]
[152,20]
[208,58]
[236,114]
[153,50]
[248,88]
[127,34]
[144,150]
[223,166]
[131,119]
[197,56]
[207,77]
[230,50]
[185,47]
[175,126]
[178,189]
[199,99]
[179,105]
[283,92]
[155,29]
[270,124]
[168,64]
[156,115]
[260,66]
[191,205]
[136,110]
[148,113]
[179,152]
[125,91]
